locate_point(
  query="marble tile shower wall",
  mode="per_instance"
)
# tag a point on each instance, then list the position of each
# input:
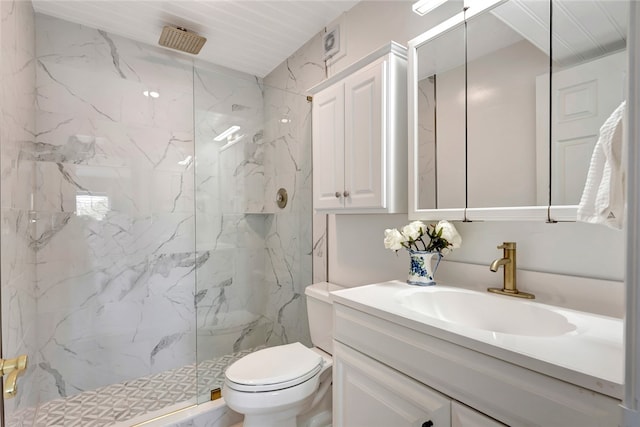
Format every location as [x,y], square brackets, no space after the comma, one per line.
[17,130]
[114,194]
[289,232]
[299,72]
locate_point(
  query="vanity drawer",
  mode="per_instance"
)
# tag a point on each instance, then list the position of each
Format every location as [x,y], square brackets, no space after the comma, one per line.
[509,393]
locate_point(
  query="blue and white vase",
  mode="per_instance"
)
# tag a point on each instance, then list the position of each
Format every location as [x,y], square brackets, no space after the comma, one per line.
[420,272]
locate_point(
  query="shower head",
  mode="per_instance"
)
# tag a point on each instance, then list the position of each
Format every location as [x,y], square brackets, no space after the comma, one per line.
[181,39]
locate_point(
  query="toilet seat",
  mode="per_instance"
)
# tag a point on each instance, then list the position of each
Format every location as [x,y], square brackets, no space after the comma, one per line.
[274,368]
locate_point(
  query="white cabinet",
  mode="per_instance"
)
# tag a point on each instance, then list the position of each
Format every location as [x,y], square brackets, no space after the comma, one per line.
[360,136]
[389,371]
[368,393]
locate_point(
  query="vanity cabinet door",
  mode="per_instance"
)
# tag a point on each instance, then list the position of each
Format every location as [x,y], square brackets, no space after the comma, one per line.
[463,416]
[368,393]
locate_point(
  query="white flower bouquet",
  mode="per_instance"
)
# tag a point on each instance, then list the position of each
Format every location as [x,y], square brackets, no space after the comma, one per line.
[443,237]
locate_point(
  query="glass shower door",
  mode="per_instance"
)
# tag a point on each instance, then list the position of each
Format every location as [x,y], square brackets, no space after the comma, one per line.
[251,140]
[17,252]
[98,246]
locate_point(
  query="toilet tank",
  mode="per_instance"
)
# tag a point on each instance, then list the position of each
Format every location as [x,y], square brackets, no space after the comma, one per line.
[320,312]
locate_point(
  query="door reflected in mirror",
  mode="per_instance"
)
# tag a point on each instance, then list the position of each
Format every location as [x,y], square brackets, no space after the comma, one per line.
[588,84]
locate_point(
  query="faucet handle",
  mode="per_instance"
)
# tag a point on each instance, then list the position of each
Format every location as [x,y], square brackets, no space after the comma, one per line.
[507,245]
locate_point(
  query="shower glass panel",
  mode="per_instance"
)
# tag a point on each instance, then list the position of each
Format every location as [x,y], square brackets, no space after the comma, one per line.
[17,253]
[114,225]
[250,140]
[132,229]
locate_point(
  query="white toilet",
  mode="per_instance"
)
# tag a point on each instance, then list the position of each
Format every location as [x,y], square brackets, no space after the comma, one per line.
[288,385]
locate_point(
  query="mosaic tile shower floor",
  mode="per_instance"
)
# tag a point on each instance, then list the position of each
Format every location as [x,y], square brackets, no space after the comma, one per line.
[119,402]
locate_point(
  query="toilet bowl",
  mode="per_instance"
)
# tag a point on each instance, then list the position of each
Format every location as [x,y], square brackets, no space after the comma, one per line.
[288,385]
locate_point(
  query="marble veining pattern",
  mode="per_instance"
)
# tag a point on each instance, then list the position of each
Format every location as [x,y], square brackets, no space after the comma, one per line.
[149,236]
[302,70]
[18,262]
[427,191]
[111,177]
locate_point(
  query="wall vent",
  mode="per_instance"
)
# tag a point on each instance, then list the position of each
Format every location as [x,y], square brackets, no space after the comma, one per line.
[331,42]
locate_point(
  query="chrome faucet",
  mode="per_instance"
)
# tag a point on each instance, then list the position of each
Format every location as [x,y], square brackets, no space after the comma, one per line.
[508,263]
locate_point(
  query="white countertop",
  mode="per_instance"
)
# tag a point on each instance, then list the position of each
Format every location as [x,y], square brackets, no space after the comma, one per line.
[592,356]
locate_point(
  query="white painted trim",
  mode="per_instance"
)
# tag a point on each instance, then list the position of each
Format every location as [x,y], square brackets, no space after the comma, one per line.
[412,140]
[563,213]
[632,276]
[437,214]
[524,213]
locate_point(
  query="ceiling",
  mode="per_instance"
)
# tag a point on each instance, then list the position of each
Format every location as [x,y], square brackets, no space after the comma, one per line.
[582,30]
[253,36]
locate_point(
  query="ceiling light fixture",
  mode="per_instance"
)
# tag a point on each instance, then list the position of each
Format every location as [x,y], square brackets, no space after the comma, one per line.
[226,133]
[422,7]
[152,94]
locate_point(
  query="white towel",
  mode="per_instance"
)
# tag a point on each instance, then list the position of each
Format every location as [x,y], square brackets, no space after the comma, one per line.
[603,198]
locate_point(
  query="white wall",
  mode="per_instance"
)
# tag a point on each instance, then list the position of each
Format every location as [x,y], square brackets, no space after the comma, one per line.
[501,127]
[567,248]
[371,24]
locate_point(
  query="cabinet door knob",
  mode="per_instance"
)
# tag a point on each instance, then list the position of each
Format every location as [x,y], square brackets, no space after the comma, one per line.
[338,194]
[346,193]
[427,424]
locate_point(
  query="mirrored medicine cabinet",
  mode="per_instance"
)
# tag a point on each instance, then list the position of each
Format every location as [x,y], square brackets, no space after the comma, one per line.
[506,100]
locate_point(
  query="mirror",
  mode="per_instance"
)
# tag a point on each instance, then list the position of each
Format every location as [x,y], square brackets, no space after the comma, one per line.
[503,62]
[440,135]
[476,120]
[588,84]
[520,99]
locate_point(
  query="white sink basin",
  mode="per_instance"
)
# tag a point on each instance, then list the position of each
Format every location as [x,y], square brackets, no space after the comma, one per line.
[507,315]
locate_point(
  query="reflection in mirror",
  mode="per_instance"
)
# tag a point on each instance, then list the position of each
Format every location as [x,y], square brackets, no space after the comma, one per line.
[504,58]
[440,127]
[588,81]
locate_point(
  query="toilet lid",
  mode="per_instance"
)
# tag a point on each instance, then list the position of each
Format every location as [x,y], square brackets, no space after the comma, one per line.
[274,368]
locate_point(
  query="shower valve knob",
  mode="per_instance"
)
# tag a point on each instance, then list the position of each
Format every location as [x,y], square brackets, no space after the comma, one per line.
[281,198]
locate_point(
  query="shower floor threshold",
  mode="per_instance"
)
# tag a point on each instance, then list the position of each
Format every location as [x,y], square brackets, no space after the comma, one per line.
[117,403]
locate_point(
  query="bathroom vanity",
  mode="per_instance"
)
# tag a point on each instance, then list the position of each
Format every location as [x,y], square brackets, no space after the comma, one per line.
[487,360]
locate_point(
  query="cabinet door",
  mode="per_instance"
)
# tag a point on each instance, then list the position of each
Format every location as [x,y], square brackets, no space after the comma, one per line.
[463,416]
[364,141]
[328,148]
[368,393]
